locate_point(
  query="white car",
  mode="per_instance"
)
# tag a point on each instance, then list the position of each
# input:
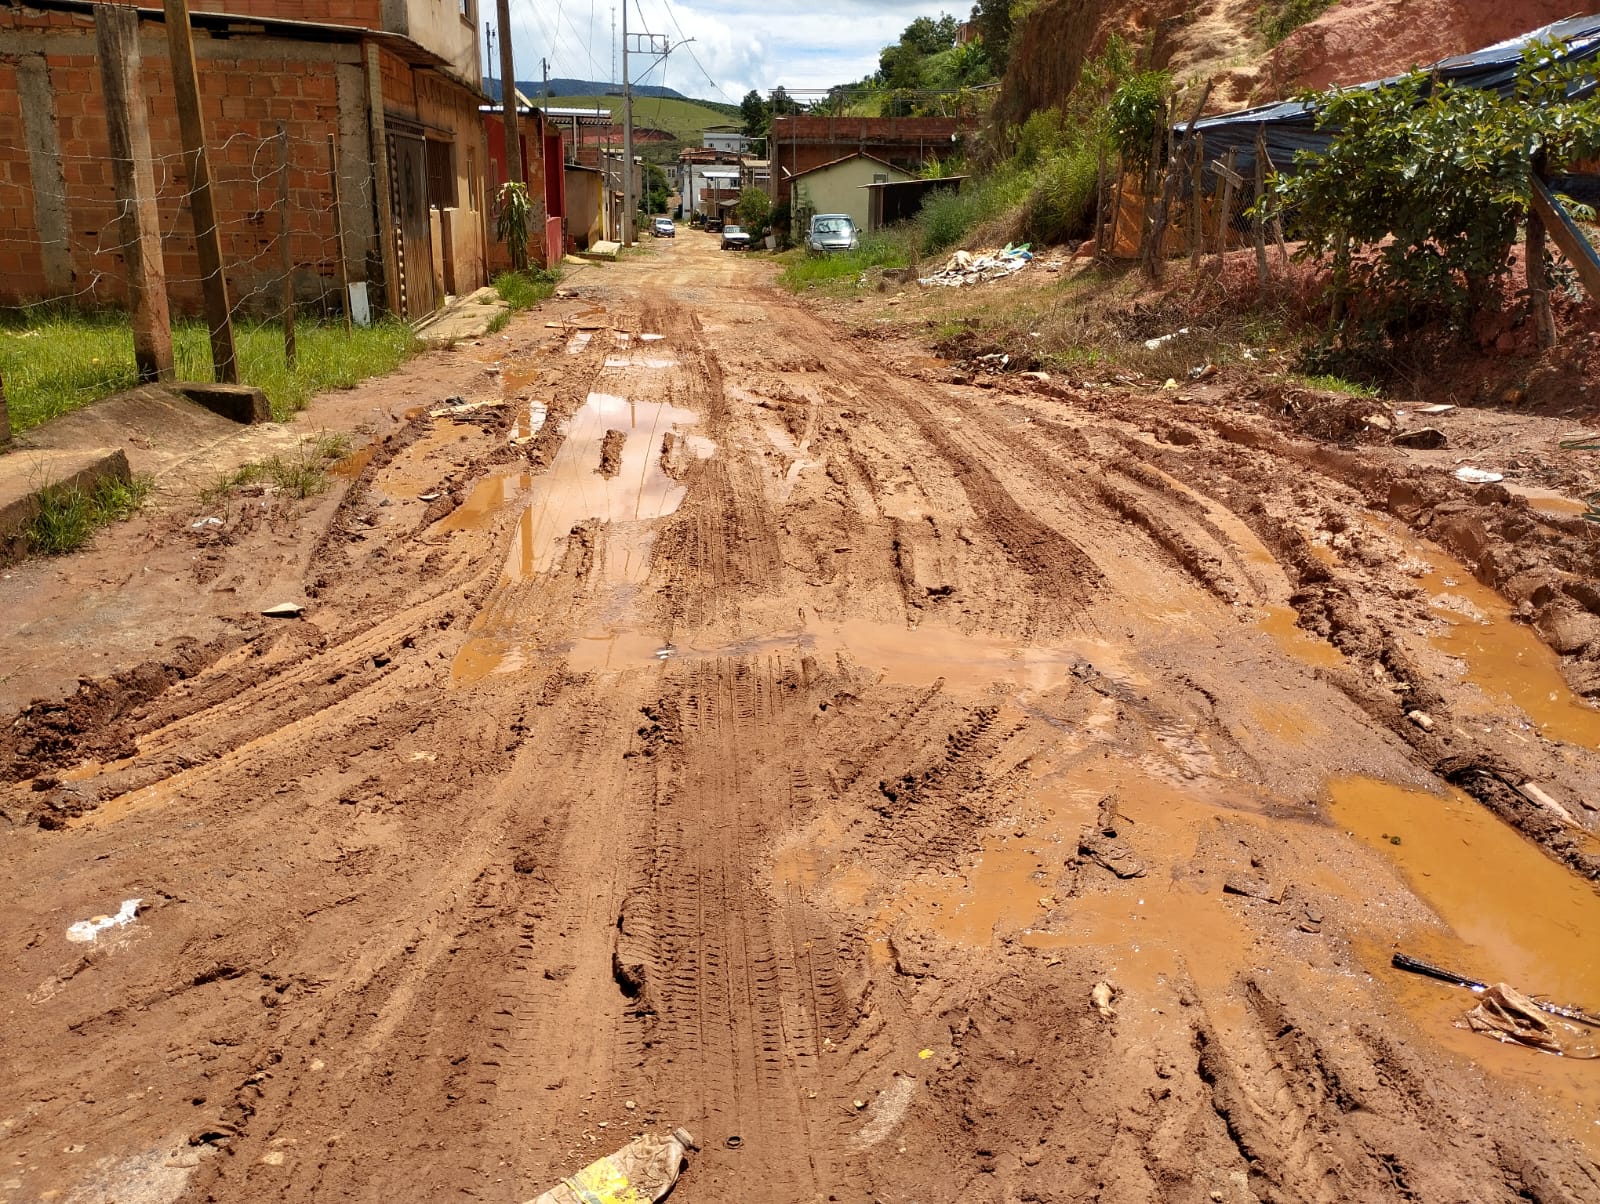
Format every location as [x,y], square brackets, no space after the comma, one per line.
[832,232]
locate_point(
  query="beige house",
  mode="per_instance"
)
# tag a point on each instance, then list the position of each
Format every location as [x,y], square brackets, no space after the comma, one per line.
[842,187]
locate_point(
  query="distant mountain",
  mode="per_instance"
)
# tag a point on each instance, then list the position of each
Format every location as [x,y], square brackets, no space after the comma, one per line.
[533,89]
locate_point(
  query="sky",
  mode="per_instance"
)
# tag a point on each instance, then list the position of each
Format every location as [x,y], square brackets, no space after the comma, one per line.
[738,44]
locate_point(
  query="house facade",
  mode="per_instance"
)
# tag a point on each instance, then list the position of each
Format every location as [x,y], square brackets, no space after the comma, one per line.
[843,186]
[378,96]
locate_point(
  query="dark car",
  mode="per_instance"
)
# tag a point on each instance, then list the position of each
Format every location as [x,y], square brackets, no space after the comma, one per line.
[662,227]
[713,225]
[736,239]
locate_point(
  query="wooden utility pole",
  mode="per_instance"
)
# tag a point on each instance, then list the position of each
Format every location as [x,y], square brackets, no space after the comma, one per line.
[197,167]
[285,252]
[510,117]
[116,32]
[338,232]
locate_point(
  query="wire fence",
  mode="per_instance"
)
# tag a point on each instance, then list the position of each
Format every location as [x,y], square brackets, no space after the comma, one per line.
[274,197]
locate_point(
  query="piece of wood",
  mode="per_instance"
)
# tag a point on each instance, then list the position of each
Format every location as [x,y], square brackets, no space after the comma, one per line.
[1565,234]
[1197,193]
[1231,180]
[5,415]
[388,219]
[1100,201]
[285,252]
[1277,218]
[1116,210]
[1258,225]
[202,207]
[338,232]
[116,33]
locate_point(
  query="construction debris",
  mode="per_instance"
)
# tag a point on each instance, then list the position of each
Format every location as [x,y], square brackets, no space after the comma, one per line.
[1510,1016]
[642,1171]
[967,267]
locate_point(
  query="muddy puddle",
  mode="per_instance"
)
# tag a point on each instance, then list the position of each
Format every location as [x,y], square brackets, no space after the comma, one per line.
[573,491]
[1281,623]
[1505,659]
[488,497]
[1510,914]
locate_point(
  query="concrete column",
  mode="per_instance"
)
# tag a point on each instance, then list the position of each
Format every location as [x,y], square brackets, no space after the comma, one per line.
[357,167]
[383,201]
[44,167]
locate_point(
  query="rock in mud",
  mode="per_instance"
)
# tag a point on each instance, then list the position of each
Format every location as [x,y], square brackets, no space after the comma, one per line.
[1102,843]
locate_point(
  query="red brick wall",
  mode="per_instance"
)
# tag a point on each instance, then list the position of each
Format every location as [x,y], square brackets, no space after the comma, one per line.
[365,13]
[244,97]
[800,143]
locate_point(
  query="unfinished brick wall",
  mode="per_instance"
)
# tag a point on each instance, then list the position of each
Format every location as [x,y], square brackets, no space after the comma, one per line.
[248,84]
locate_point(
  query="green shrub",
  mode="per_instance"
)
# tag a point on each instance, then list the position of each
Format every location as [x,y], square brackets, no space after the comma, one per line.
[1277,19]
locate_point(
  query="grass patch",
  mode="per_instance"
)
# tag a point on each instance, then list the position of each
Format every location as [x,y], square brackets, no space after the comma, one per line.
[803,270]
[524,290]
[68,515]
[1277,19]
[54,362]
[1329,383]
[302,473]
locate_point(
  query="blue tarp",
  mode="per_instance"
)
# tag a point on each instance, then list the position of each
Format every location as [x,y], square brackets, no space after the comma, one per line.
[1290,126]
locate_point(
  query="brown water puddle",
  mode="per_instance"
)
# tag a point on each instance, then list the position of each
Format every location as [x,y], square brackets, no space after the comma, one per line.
[1146,928]
[488,497]
[1504,659]
[1513,915]
[1554,503]
[1281,623]
[354,464]
[572,491]
[417,469]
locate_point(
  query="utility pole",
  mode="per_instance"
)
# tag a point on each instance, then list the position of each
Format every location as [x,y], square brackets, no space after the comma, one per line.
[207,239]
[544,65]
[627,138]
[508,108]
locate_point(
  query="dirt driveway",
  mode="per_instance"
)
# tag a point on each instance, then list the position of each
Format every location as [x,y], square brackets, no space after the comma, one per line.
[919,791]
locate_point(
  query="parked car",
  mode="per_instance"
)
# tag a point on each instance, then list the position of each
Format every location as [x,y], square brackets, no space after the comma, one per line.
[662,227]
[831,232]
[736,239]
[713,225]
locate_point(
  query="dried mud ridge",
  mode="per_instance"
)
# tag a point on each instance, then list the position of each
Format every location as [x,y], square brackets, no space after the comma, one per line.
[801,785]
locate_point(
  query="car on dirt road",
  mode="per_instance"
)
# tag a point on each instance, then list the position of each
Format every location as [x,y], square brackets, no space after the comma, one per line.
[662,227]
[735,238]
[831,232]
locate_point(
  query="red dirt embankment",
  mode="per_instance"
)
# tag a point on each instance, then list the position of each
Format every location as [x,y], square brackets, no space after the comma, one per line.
[1354,41]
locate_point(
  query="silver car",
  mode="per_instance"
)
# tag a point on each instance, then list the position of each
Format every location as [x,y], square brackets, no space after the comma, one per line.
[831,232]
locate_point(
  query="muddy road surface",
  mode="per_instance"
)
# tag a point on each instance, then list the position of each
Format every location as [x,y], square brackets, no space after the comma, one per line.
[921,791]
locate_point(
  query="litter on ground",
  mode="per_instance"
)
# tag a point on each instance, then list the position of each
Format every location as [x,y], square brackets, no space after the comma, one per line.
[967,267]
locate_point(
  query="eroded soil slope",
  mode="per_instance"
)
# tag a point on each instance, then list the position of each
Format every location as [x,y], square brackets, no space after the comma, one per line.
[760,733]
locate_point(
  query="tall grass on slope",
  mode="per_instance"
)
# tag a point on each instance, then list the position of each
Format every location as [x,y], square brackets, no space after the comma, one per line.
[886,250]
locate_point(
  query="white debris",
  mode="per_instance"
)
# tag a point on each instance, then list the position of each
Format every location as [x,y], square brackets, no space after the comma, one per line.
[1161,341]
[964,267]
[89,930]
[1478,476]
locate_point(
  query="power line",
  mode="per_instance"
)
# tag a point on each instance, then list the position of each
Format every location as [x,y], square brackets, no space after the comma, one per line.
[683,39]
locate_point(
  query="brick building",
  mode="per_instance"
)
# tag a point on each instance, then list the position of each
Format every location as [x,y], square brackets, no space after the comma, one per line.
[393,81]
[801,142]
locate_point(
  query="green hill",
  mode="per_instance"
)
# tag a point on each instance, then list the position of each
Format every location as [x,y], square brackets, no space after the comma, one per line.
[685,119]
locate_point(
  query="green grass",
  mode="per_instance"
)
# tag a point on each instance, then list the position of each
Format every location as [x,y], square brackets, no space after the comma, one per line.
[1277,19]
[684,119]
[803,270]
[54,363]
[1338,384]
[524,290]
[302,473]
[68,515]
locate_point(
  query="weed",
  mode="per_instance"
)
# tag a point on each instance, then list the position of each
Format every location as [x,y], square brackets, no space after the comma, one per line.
[1329,383]
[1277,19]
[302,473]
[524,290]
[69,514]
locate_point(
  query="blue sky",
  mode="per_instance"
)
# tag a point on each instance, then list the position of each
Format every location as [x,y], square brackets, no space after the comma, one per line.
[739,44]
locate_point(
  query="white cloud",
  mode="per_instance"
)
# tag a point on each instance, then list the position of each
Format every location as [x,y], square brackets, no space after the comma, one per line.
[739,44]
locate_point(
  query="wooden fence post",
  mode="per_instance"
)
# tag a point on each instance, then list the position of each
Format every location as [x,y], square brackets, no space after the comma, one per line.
[1100,208]
[1538,279]
[285,253]
[197,167]
[1258,224]
[5,415]
[338,233]
[1230,179]
[1197,192]
[116,34]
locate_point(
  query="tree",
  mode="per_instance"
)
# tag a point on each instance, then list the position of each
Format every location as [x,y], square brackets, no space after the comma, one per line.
[1417,199]
[755,211]
[653,197]
[927,36]
[993,19]
[900,65]
[755,114]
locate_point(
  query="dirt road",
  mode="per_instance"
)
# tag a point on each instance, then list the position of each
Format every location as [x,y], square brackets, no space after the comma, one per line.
[762,734]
